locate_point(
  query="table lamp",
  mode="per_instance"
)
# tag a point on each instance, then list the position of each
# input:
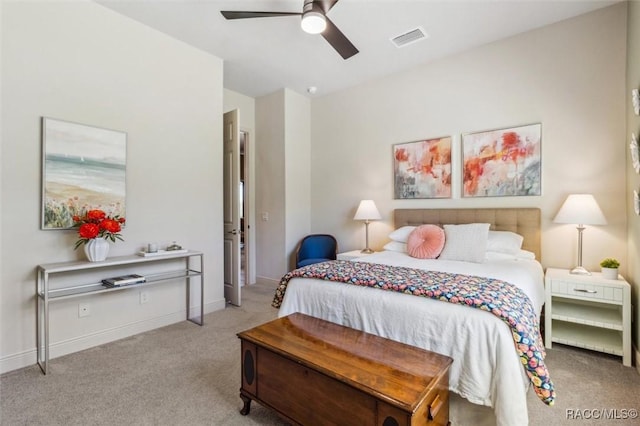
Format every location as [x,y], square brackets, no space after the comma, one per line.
[580,209]
[367,211]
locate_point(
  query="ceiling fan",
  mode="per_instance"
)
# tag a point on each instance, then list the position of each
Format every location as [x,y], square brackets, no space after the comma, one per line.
[314,21]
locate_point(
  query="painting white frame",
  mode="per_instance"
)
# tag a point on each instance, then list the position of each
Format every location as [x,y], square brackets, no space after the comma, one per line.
[83,168]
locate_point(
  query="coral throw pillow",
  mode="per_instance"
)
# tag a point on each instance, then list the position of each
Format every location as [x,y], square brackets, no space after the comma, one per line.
[425,242]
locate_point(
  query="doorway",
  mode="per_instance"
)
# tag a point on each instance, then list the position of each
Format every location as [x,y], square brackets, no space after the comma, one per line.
[237,205]
[231,207]
[244,222]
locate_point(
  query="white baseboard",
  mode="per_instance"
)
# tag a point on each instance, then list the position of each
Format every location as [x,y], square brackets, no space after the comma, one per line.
[56,349]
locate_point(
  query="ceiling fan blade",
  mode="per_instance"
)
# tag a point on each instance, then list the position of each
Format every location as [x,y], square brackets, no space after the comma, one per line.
[230,14]
[339,41]
[326,5]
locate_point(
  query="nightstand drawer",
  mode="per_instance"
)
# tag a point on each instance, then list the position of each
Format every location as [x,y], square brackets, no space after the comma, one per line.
[586,291]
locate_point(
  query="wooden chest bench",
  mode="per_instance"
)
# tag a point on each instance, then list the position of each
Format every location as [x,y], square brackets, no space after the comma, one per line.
[314,372]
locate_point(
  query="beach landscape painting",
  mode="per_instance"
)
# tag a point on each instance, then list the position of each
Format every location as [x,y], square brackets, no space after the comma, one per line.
[505,162]
[84,167]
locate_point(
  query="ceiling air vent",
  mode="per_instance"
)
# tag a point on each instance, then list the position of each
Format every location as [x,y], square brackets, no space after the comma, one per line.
[409,37]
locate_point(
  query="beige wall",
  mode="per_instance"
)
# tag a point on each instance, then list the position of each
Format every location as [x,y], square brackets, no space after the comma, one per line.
[283,180]
[270,186]
[81,62]
[633,179]
[297,171]
[568,76]
[1,156]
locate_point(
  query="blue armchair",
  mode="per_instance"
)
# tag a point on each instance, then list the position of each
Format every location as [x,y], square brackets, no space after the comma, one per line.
[316,248]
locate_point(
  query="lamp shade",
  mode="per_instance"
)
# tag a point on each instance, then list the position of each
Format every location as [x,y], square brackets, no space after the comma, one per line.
[367,210]
[580,209]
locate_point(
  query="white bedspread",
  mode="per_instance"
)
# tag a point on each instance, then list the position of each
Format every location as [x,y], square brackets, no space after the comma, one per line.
[486,369]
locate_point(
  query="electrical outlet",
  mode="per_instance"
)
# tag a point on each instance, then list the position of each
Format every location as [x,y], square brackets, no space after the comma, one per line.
[144,297]
[84,310]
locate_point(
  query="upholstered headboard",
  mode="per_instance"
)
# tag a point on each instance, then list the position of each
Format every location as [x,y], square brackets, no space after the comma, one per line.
[523,221]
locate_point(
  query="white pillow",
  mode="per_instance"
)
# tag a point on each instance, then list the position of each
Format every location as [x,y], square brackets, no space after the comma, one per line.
[504,242]
[525,254]
[401,234]
[520,255]
[396,246]
[467,243]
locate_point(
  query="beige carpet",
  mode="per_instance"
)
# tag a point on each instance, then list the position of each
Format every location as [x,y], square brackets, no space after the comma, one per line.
[190,375]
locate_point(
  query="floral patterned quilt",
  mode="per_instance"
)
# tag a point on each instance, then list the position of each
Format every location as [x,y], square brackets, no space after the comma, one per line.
[500,298]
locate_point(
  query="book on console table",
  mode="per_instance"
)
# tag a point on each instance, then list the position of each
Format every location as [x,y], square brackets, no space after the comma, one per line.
[124,280]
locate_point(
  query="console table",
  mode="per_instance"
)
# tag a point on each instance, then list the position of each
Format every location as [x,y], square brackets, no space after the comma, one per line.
[46,295]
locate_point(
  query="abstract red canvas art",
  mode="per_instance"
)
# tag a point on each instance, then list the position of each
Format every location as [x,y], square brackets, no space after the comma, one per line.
[504,162]
[422,169]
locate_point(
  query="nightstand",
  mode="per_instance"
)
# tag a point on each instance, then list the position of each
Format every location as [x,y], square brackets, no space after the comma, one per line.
[353,254]
[588,311]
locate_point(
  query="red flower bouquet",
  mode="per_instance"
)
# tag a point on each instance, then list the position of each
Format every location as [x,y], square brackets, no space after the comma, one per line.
[96,224]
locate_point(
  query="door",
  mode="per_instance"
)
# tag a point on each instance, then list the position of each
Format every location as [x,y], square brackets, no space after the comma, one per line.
[232,229]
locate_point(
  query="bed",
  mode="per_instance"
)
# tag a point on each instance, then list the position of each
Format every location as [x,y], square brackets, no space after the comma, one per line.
[487,370]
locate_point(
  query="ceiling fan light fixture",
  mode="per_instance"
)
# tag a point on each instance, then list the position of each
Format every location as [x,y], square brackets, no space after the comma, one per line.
[313,22]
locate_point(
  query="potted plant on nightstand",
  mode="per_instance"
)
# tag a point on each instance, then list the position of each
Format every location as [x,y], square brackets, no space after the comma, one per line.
[610,268]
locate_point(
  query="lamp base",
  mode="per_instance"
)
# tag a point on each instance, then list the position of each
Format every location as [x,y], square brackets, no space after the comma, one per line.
[579,270]
[367,251]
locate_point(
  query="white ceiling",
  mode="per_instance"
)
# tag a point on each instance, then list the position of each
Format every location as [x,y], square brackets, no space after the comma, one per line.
[266,54]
